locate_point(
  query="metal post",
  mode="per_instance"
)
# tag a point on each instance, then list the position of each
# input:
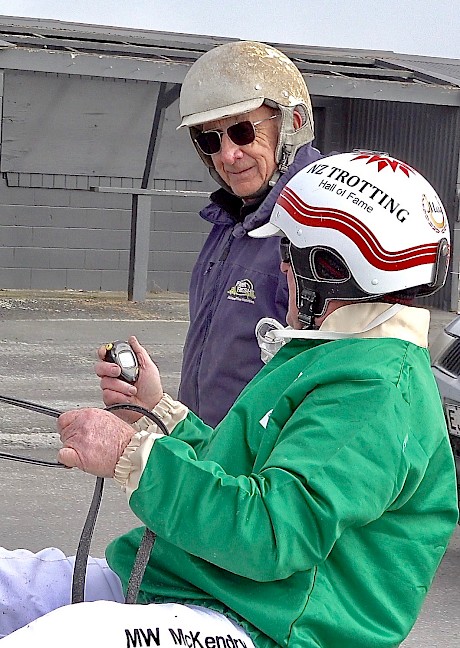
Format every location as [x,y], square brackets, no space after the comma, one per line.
[140,232]
[142,204]
[140,247]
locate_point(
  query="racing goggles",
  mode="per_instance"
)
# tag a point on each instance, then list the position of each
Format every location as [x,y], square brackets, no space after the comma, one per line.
[243,133]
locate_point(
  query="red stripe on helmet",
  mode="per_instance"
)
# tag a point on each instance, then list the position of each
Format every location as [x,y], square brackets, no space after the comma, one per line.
[362,236]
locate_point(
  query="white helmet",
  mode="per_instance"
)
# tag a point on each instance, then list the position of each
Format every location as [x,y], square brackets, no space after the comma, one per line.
[360,225]
[239,77]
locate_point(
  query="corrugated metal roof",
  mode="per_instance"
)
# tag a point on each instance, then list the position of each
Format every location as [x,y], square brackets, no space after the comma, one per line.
[437,70]
[76,48]
[438,67]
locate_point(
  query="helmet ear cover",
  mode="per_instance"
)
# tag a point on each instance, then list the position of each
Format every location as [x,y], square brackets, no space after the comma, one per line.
[441,269]
[321,275]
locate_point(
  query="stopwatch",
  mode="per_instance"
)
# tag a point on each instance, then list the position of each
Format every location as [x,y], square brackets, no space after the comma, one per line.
[122,354]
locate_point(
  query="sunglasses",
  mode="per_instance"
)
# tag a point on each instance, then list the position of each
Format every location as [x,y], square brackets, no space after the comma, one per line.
[243,133]
[285,250]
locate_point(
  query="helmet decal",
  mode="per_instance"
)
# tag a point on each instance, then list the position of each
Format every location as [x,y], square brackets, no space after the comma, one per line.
[434,213]
[383,162]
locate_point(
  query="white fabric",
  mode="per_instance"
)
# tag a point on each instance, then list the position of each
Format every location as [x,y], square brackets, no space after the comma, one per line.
[32,584]
[355,323]
[105,624]
[366,320]
[267,344]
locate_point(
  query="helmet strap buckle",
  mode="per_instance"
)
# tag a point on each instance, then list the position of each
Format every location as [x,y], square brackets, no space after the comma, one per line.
[307,300]
[283,164]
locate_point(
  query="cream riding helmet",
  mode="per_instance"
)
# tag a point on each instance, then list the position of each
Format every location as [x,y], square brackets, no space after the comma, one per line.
[239,77]
[360,226]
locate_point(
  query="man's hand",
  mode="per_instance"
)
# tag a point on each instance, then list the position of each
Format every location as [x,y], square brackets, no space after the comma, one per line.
[93,440]
[146,392]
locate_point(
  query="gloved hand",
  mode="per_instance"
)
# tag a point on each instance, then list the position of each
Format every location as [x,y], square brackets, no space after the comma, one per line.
[93,440]
[146,392]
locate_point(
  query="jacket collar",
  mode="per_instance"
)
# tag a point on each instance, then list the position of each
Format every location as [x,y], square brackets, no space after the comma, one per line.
[409,323]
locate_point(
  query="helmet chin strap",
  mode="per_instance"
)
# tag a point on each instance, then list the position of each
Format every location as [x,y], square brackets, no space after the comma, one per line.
[307,300]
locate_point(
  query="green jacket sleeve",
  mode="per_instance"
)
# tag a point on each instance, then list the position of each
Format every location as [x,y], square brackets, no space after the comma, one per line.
[312,477]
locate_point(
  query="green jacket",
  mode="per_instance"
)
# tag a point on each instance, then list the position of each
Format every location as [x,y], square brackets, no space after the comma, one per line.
[317,512]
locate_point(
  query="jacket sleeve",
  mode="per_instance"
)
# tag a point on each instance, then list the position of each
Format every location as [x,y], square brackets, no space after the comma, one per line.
[171,412]
[318,478]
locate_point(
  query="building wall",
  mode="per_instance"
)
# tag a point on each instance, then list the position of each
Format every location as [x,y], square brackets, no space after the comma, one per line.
[68,239]
[60,137]
[63,134]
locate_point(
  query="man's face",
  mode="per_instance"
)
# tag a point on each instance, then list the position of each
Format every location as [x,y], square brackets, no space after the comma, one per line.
[247,169]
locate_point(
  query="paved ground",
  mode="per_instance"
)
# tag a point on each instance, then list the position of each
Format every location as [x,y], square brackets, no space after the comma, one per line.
[70,304]
[48,348]
[47,351]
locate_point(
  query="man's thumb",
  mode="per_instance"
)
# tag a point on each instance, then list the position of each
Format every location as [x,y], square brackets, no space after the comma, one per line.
[69,458]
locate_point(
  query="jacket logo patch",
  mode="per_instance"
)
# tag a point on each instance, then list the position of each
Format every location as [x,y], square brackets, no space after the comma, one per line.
[243,291]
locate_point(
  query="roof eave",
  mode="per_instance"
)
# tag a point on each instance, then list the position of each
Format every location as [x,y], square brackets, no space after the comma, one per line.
[382,90]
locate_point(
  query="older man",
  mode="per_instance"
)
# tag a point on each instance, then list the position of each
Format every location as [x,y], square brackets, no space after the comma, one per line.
[250,119]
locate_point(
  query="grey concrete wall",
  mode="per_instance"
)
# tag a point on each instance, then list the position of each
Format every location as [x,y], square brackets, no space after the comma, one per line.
[55,232]
[61,239]
[63,134]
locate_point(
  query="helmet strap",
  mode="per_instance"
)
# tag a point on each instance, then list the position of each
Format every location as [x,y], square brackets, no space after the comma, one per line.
[306,301]
[274,179]
[290,139]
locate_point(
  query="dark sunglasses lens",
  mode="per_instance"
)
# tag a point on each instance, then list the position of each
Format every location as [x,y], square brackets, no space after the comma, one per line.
[242,133]
[285,246]
[209,142]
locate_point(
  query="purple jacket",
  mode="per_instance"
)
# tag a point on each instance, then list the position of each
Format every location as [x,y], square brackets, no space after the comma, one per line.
[235,282]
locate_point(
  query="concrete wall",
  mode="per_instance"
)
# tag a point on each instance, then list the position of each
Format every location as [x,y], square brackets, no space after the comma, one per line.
[60,136]
[58,239]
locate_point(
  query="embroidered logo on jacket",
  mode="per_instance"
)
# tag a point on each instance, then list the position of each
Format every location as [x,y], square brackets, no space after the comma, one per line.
[243,291]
